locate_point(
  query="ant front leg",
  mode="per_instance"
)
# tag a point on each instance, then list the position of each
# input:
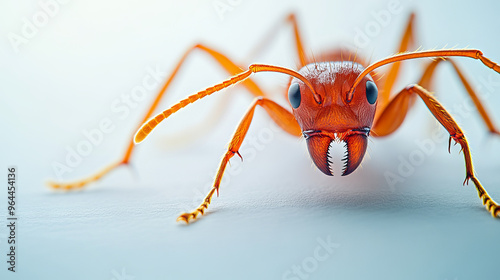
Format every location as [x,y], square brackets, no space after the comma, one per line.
[229,66]
[394,113]
[280,115]
[428,74]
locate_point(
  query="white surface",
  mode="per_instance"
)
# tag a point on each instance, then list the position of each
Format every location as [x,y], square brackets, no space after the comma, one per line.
[275,206]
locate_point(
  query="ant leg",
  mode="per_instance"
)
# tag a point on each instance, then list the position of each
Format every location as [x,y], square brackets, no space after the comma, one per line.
[290,18]
[81,183]
[298,41]
[225,62]
[407,41]
[426,80]
[280,115]
[394,114]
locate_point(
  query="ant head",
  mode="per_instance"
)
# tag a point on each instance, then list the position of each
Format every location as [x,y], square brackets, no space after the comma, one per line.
[328,114]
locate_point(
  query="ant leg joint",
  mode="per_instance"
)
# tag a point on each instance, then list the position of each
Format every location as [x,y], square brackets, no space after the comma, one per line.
[479,54]
[468,176]
[411,87]
[457,136]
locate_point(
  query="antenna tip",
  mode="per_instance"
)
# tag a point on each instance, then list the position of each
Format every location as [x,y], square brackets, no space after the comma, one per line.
[140,135]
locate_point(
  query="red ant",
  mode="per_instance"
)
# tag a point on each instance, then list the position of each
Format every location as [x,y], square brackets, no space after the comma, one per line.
[332,100]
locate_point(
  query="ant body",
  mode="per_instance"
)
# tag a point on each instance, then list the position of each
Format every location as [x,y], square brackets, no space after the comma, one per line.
[331,99]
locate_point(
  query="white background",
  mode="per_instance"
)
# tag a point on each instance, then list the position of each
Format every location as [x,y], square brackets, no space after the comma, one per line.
[275,206]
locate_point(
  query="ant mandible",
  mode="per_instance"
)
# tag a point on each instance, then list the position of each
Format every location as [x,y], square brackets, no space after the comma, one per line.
[332,99]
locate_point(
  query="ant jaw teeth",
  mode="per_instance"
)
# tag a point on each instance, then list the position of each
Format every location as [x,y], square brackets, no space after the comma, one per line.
[337,156]
[318,150]
[355,145]
[327,152]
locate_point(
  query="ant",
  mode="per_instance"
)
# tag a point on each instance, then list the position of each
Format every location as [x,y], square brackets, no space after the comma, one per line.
[331,99]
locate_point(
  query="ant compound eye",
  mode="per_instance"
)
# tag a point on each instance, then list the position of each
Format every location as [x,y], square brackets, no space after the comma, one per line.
[371,92]
[294,95]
